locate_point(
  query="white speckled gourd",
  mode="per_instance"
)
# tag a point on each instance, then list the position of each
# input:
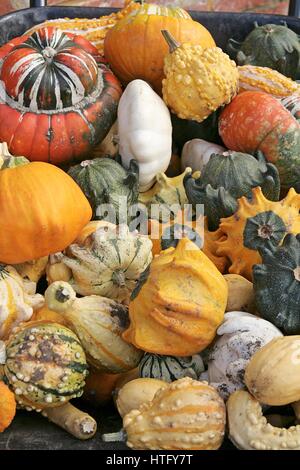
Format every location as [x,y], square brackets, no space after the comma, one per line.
[240,336]
[99,323]
[18,300]
[249,429]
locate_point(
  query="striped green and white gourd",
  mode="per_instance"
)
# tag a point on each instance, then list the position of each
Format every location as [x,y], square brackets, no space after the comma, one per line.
[45,365]
[170,368]
[50,73]
[108,262]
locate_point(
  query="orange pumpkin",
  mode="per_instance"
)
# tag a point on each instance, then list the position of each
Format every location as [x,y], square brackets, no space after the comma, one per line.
[42,210]
[257,121]
[135,47]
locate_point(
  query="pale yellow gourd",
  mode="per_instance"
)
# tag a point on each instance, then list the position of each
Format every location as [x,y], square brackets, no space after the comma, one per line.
[18,300]
[99,323]
[136,392]
[186,415]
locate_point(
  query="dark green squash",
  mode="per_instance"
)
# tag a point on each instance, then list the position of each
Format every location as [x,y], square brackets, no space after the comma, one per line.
[170,368]
[105,181]
[276,284]
[270,45]
[227,177]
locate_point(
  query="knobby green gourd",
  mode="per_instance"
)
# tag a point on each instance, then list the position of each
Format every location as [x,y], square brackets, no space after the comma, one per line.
[225,178]
[45,365]
[277,284]
[170,368]
[105,181]
[270,45]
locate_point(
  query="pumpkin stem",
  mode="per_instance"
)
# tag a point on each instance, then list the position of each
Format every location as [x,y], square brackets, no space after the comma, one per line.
[172,43]
[13,162]
[49,53]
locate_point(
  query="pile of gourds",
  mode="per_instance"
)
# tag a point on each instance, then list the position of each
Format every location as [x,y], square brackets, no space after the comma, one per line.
[113,283]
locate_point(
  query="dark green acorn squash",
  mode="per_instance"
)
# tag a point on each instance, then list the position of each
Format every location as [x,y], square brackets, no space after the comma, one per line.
[170,368]
[270,45]
[227,177]
[105,181]
[277,284]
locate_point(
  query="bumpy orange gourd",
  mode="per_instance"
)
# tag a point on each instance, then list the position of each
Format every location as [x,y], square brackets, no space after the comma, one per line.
[7,406]
[256,222]
[135,48]
[176,309]
[42,210]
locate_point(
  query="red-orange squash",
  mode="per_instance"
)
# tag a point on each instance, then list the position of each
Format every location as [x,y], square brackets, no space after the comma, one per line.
[257,121]
[57,99]
[135,47]
[42,210]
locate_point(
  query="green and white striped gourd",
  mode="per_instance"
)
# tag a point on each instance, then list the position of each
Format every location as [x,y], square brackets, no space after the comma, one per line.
[170,368]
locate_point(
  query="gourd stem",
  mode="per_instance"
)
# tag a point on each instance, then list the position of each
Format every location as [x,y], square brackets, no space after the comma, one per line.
[172,43]
[119,436]
[13,162]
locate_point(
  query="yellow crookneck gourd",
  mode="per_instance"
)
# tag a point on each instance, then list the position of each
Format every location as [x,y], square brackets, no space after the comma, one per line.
[99,323]
[178,304]
[18,300]
[197,81]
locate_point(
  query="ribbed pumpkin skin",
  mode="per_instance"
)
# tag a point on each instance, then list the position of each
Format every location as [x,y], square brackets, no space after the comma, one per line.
[257,121]
[55,113]
[176,309]
[170,368]
[42,210]
[255,224]
[272,375]
[277,285]
[105,181]
[39,356]
[227,177]
[187,415]
[135,47]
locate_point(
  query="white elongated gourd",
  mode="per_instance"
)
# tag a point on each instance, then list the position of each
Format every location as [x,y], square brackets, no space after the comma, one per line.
[145,131]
